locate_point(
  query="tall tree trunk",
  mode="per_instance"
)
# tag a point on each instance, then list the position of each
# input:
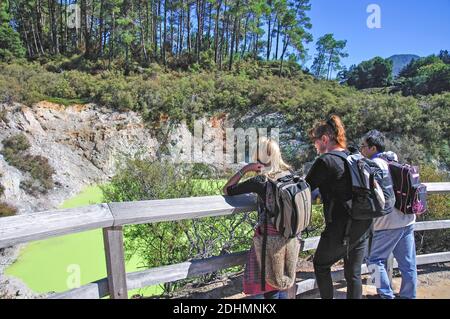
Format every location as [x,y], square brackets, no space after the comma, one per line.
[53,27]
[172,29]
[91,28]
[216,31]
[85,27]
[256,40]
[163,44]
[329,64]
[238,36]
[209,25]
[181,32]
[199,30]
[147,21]
[61,27]
[155,27]
[269,35]
[224,31]
[113,37]
[141,25]
[227,33]
[189,26]
[100,28]
[35,39]
[66,29]
[285,46]
[25,30]
[244,47]
[230,64]
[278,40]
[160,30]
[39,27]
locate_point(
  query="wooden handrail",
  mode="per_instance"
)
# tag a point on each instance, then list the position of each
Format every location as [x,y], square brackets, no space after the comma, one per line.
[41,225]
[110,217]
[36,226]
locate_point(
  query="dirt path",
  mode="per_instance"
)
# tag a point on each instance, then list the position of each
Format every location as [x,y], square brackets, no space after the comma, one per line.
[433,283]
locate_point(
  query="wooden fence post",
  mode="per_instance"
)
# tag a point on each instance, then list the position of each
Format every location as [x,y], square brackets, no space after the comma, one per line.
[292,292]
[115,262]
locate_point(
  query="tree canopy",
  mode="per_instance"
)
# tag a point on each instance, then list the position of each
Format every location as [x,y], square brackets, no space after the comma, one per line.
[177,33]
[10,44]
[328,57]
[374,73]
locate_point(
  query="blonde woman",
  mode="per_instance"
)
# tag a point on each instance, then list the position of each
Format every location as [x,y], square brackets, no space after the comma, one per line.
[268,163]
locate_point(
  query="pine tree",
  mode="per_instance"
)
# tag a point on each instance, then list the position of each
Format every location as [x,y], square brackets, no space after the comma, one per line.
[10,44]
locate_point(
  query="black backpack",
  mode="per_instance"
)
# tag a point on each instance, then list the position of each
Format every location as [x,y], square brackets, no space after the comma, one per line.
[371,190]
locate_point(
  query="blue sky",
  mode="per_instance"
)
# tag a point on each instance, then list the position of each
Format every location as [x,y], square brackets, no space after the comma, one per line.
[407,27]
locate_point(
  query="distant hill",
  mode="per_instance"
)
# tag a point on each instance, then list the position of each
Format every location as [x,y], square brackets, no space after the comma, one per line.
[400,61]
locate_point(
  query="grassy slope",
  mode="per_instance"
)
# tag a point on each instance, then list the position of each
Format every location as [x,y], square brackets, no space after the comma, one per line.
[43,265]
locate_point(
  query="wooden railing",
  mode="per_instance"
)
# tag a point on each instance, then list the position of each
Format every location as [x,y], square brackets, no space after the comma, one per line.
[113,216]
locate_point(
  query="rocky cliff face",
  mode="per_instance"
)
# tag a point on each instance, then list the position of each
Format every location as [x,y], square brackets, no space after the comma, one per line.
[82,143]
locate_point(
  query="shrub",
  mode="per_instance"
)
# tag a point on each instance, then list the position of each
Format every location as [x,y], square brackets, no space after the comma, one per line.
[433,241]
[167,243]
[15,153]
[3,116]
[17,143]
[7,210]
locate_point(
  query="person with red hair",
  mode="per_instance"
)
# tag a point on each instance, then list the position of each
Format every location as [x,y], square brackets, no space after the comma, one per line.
[331,176]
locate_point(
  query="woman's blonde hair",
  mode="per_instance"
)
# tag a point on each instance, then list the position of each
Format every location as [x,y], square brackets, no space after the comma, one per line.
[268,152]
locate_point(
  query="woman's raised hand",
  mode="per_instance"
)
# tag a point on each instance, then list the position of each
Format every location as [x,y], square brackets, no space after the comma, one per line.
[253,167]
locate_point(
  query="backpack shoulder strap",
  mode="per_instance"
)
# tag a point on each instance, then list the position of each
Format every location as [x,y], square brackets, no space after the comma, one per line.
[340,154]
[343,156]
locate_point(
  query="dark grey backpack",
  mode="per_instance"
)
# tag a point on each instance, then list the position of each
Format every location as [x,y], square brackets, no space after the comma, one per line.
[289,204]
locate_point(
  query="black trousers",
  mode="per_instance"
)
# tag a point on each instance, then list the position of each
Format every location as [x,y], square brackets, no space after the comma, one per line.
[330,250]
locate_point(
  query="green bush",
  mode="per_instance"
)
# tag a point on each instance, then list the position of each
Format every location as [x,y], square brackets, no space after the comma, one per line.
[17,143]
[432,241]
[427,75]
[252,85]
[2,188]
[15,153]
[168,243]
[7,210]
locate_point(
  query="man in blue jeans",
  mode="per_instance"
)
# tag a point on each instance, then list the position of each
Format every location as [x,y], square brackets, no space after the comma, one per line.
[393,233]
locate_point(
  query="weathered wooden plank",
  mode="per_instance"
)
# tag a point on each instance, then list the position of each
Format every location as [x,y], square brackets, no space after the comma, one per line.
[93,290]
[431,258]
[115,262]
[184,270]
[149,277]
[438,188]
[159,275]
[432,224]
[152,211]
[41,225]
